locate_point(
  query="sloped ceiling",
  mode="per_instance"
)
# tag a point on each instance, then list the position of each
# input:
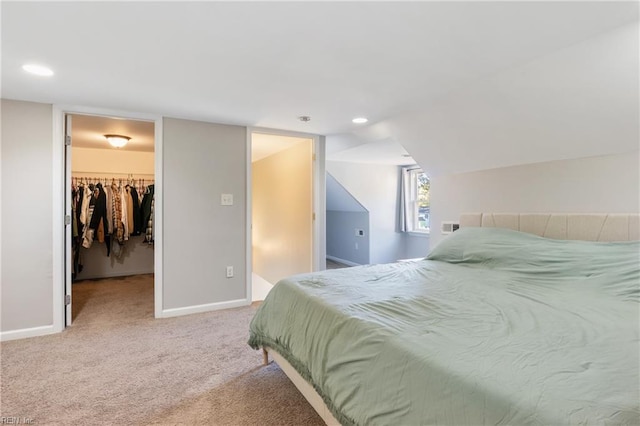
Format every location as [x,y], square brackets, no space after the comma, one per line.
[339,199]
[461,85]
[580,101]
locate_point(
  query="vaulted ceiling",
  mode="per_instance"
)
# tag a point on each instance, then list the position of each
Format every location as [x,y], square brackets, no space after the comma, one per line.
[461,85]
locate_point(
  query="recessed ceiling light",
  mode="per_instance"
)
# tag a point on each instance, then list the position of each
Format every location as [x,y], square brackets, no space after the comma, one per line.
[36,69]
[360,120]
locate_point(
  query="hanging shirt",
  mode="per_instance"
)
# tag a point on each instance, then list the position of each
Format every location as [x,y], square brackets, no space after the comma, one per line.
[123,202]
[117,214]
[109,193]
[84,210]
[130,222]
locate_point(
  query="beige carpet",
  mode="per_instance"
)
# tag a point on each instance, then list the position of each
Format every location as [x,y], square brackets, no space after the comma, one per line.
[119,365]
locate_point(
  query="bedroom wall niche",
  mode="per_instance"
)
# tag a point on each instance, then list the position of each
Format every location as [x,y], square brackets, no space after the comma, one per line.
[129,171]
[282,206]
[376,187]
[347,226]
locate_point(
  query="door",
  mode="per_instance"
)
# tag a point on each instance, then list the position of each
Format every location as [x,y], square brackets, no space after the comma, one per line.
[68,267]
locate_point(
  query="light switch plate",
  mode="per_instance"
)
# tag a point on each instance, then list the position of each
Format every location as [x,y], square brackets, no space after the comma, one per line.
[226,199]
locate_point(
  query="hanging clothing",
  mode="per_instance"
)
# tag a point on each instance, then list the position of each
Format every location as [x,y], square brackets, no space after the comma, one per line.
[87,234]
[146,205]
[137,221]
[147,213]
[109,205]
[74,215]
[123,212]
[99,216]
[149,235]
[130,223]
[117,215]
[84,209]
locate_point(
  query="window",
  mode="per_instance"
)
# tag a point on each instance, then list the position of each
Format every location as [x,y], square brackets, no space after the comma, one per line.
[416,208]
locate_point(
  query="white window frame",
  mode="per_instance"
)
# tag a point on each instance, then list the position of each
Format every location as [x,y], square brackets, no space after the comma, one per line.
[412,203]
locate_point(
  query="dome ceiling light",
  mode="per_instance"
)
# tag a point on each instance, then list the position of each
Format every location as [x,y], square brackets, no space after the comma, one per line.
[117,141]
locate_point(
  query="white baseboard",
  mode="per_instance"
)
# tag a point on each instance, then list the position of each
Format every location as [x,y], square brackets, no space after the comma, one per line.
[198,309]
[27,332]
[343,261]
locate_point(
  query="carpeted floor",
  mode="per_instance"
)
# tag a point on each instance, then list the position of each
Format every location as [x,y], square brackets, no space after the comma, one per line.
[332,264]
[119,365]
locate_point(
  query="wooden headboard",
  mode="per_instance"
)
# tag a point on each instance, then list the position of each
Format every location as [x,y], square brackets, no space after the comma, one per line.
[562,226]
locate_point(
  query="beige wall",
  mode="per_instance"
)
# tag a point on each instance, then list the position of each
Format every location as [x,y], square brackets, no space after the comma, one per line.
[27,211]
[282,204]
[111,161]
[604,184]
[202,237]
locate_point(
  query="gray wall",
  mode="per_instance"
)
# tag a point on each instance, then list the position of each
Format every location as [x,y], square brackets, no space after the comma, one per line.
[136,259]
[416,246]
[604,184]
[201,237]
[27,199]
[342,239]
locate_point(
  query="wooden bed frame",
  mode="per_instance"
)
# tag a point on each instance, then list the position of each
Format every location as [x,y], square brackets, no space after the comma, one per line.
[564,226]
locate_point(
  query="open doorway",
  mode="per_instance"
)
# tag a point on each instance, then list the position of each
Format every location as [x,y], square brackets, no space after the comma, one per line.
[111,197]
[282,191]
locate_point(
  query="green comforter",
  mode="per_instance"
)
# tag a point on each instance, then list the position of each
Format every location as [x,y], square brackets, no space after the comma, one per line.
[494,327]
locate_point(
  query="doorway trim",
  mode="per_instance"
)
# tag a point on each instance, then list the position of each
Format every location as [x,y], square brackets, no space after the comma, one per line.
[319,246]
[59,184]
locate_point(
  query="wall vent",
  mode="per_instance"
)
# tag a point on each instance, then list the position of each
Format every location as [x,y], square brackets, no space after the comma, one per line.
[449,227]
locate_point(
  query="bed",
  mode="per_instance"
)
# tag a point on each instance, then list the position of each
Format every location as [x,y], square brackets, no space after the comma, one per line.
[509,320]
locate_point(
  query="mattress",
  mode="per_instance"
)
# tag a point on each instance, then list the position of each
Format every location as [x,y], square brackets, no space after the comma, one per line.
[494,327]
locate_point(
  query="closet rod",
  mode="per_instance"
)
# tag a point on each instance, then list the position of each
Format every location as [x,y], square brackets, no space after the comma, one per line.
[117,175]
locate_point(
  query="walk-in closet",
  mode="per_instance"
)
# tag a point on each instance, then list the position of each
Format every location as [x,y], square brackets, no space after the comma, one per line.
[112,207]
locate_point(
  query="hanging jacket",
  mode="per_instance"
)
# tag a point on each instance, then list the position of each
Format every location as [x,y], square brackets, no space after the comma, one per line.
[123,212]
[84,210]
[117,215]
[130,222]
[99,209]
[137,220]
[146,205]
[109,192]
[87,234]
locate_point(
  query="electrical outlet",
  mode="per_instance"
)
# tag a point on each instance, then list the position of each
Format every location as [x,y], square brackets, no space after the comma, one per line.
[229,271]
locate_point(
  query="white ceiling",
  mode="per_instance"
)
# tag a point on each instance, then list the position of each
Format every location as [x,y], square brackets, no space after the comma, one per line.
[266,63]
[87,131]
[377,152]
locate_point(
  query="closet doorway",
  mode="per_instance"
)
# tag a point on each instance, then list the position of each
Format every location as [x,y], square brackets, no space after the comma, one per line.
[110,180]
[282,206]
